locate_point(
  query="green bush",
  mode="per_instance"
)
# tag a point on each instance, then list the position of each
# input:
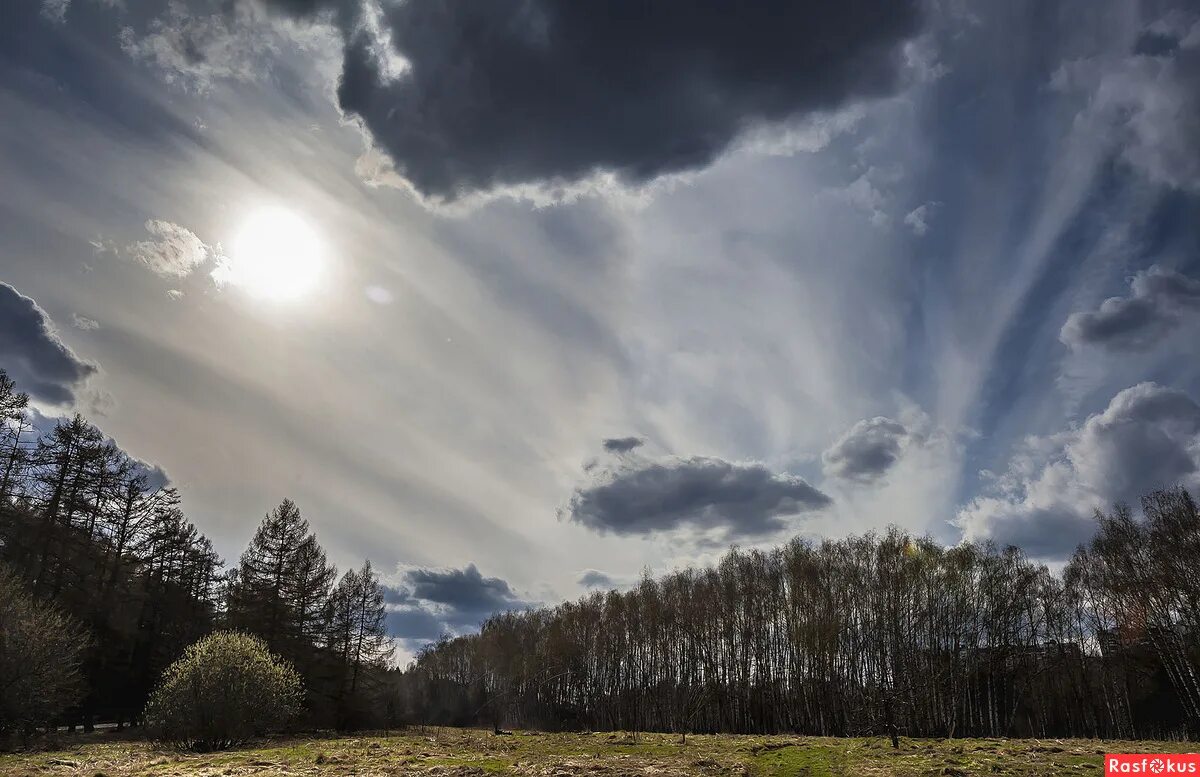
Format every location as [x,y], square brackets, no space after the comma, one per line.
[225,690]
[40,653]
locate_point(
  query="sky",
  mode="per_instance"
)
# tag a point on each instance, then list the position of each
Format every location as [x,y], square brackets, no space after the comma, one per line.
[522,299]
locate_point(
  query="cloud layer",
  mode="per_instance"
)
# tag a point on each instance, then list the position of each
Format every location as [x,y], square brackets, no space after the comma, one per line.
[1148,437]
[514,92]
[1147,104]
[173,251]
[32,352]
[641,496]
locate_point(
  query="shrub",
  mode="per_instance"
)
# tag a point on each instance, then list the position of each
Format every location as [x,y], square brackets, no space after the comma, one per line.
[40,653]
[225,690]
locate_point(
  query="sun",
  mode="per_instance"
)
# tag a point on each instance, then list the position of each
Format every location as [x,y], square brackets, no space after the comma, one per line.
[276,255]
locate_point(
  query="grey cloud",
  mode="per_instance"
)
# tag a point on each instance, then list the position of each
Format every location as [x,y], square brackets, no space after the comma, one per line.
[173,251]
[32,352]
[461,589]
[640,496]
[1159,302]
[622,444]
[424,604]
[55,10]
[415,626]
[1153,43]
[515,92]
[1148,437]
[592,578]
[867,451]
[341,12]
[395,595]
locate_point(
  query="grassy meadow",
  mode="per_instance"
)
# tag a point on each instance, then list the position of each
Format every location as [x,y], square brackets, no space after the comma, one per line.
[460,753]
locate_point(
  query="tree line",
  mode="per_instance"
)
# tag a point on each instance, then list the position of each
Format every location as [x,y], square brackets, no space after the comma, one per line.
[88,535]
[885,634]
[104,582]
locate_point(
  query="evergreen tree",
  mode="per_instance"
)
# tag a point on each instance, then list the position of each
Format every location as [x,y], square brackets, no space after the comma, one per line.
[357,636]
[259,597]
[280,590]
[13,425]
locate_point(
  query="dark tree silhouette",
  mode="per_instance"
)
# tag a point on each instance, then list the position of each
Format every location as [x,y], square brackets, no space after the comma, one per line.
[884,634]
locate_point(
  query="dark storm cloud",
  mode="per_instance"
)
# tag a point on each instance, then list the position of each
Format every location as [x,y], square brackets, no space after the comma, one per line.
[1154,43]
[867,451]
[467,97]
[641,496]
[461,589]
[341,11]
[622,444]
[514,92]
[1159,302]
[425,604]
[32,353]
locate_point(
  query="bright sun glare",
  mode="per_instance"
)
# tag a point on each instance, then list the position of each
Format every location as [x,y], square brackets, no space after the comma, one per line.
[276,255]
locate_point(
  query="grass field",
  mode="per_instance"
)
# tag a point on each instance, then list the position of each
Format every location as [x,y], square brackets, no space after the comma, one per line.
[458,753]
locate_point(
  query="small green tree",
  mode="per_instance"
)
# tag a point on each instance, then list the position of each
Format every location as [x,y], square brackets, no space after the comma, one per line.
[225,690]
[40,653]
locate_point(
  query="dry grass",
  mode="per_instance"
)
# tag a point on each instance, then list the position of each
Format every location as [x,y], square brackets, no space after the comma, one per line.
[459,753]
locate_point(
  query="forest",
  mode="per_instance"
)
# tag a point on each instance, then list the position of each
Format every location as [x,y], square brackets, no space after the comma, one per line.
[130,583]
[882,634]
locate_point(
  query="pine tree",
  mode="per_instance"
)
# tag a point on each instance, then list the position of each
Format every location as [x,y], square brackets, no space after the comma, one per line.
[357,635]
[309,587]
[13,424]
[280,588]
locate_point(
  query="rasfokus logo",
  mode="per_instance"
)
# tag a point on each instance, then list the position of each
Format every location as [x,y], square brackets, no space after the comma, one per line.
[1151,763]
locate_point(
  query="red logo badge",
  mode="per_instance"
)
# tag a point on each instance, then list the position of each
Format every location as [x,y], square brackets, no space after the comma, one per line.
[1151,763]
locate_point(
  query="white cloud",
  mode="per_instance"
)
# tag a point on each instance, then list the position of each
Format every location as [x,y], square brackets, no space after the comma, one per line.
[84,323]
[173,251]
[1147,105]
[1148,437]
[864,193]
[195,50]
[379,295]
[918,218]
